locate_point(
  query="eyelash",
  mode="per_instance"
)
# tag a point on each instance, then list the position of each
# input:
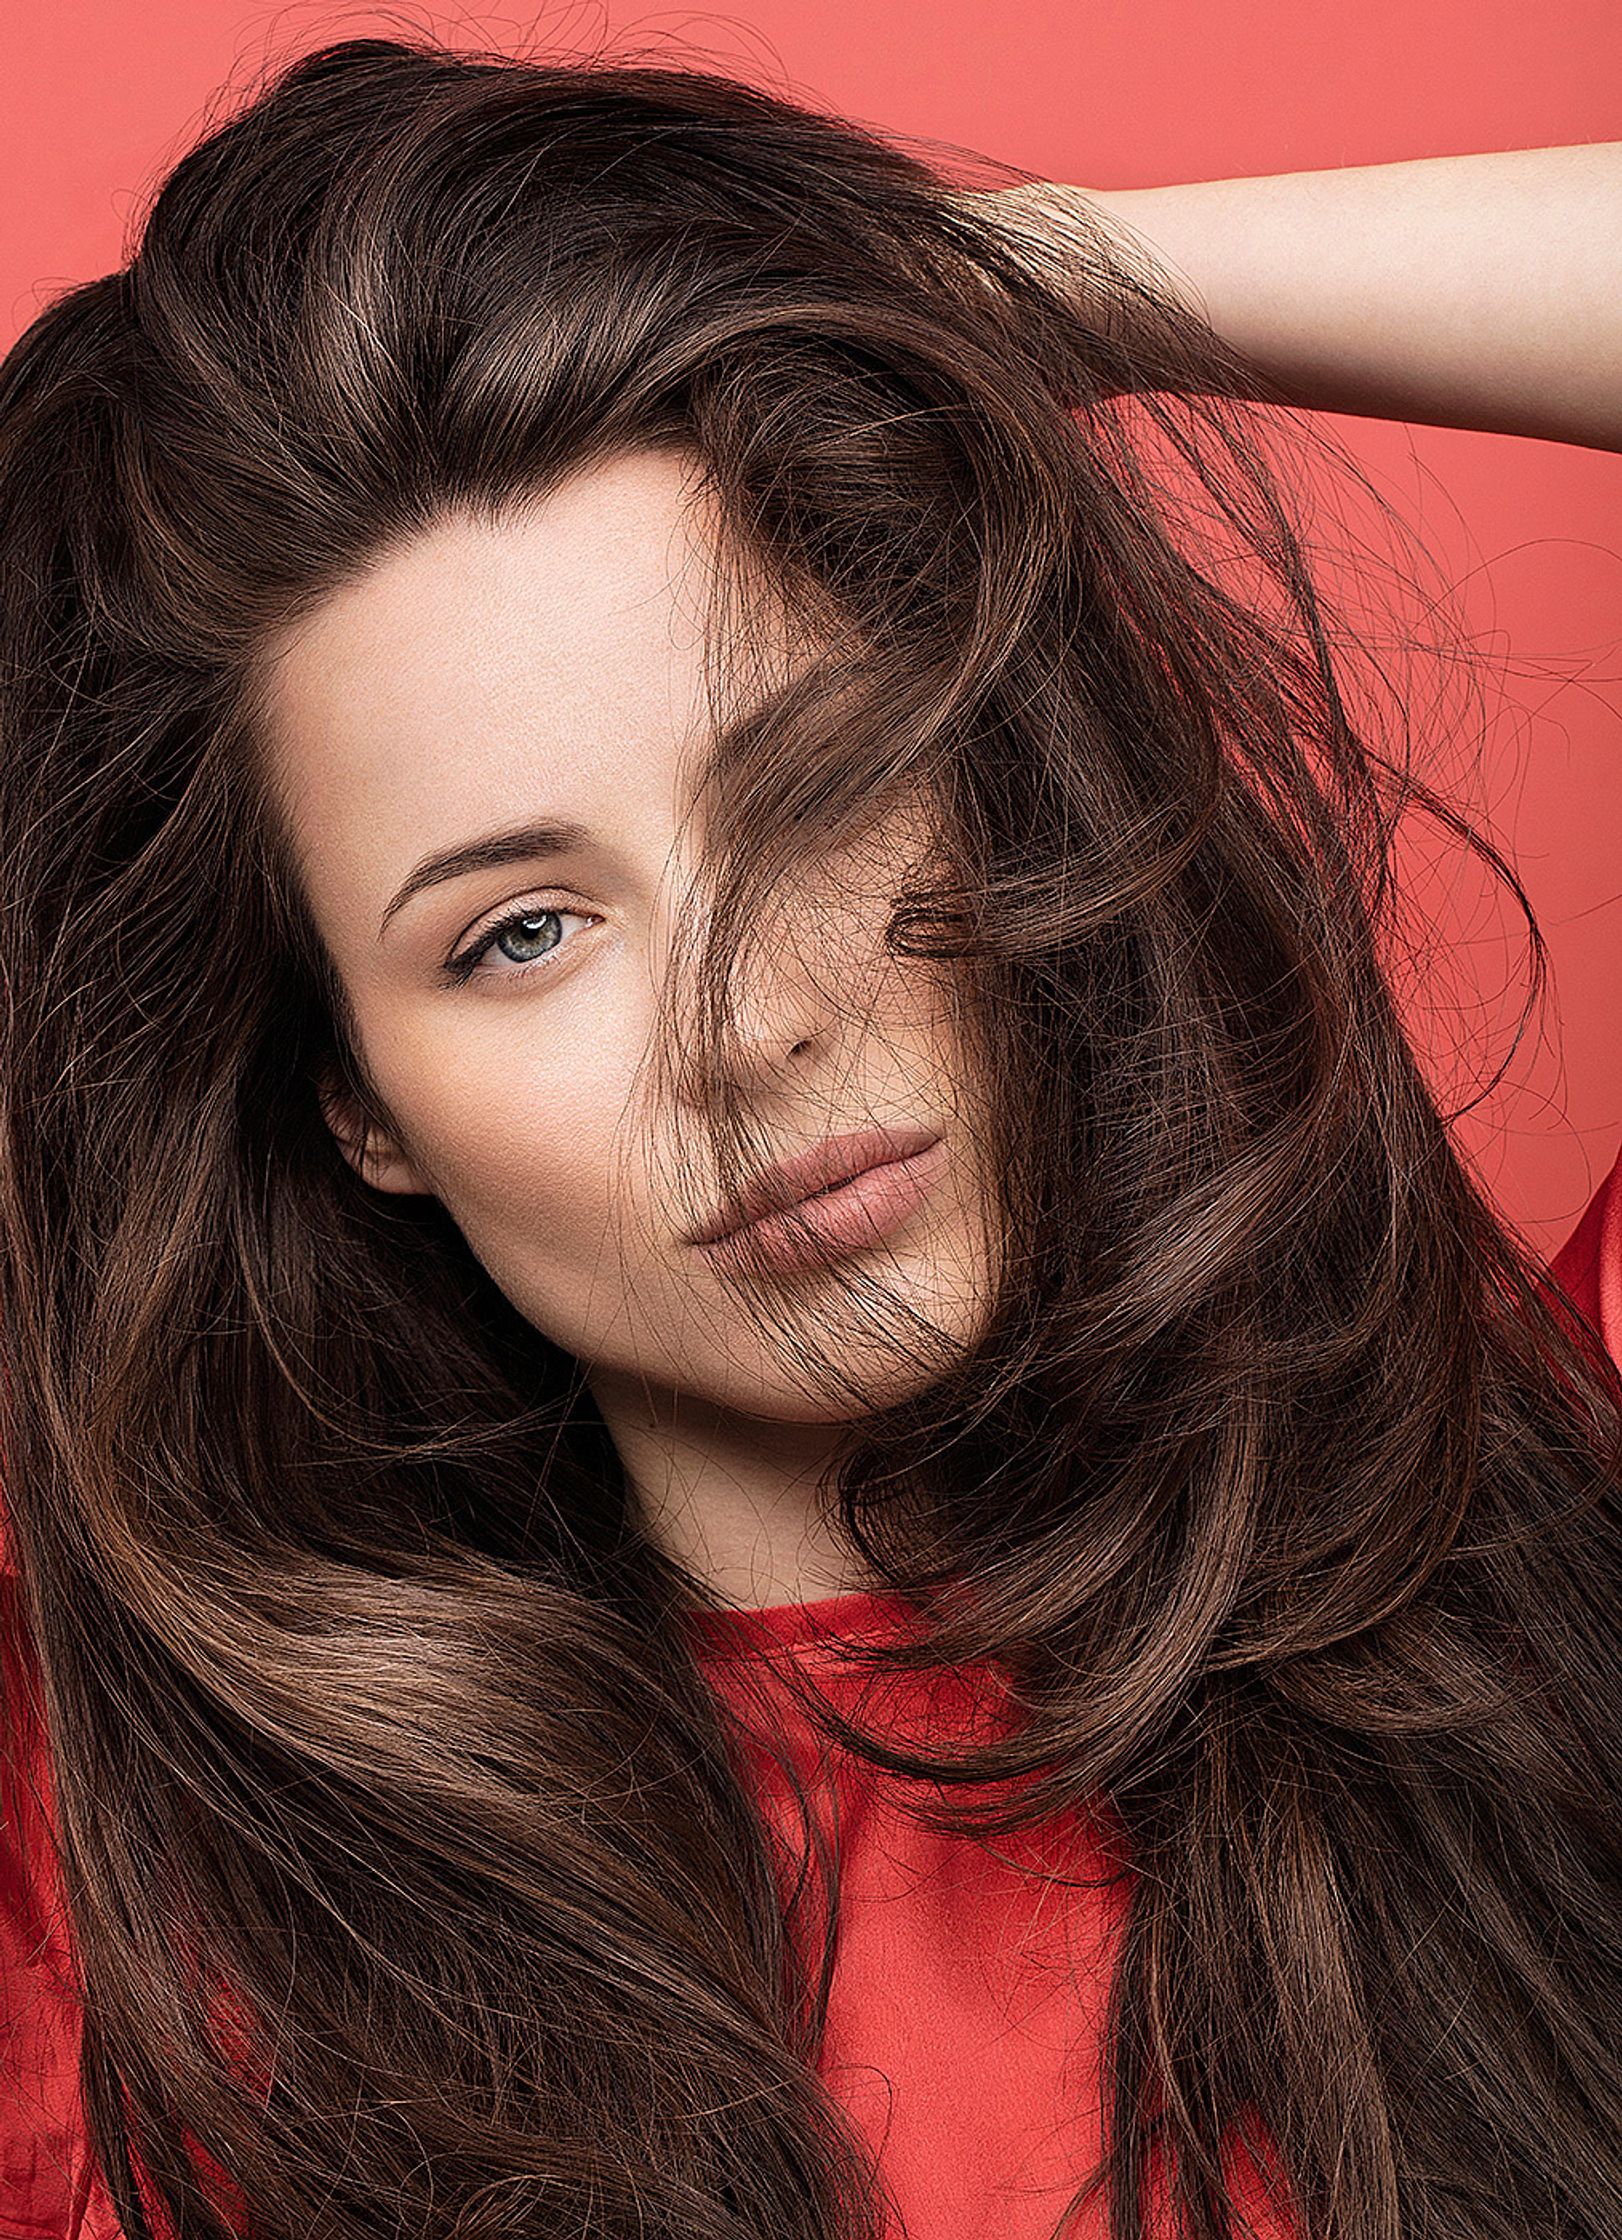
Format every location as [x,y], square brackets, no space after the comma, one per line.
[458,970]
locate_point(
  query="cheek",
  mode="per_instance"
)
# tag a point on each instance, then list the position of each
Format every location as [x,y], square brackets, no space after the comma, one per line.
[555,1204]
[550,1175]
[534,1146]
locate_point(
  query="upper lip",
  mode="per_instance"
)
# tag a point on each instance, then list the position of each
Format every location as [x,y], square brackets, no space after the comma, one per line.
[788,1182]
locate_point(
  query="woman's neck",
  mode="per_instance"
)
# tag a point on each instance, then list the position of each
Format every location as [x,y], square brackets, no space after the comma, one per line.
[735,1500]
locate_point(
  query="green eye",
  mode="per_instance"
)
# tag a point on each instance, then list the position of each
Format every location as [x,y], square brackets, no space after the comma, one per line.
[526,937]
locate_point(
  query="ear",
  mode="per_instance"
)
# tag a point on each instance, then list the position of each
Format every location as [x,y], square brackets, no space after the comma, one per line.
[375,1156]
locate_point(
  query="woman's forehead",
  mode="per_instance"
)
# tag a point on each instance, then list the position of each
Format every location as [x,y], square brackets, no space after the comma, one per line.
[551,660]
[601,583]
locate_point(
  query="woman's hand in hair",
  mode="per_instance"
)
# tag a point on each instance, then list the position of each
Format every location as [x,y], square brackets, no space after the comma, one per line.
[1478,291]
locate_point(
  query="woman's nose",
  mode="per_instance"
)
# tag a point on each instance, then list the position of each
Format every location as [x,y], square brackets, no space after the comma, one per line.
[797,992]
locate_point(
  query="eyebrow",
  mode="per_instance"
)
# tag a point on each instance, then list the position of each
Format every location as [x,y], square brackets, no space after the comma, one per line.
[492,851]
[527,843]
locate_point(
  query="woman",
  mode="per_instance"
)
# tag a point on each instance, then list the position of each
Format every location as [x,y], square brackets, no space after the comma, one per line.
[766,1474]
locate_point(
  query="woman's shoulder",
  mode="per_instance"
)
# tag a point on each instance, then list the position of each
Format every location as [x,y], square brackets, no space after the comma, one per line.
[1588,1266]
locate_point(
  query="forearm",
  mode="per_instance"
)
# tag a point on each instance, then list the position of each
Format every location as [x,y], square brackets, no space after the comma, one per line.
[1476,291]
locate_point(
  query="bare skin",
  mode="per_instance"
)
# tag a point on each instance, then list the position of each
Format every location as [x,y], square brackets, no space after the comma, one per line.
[1476,291]
[482,677]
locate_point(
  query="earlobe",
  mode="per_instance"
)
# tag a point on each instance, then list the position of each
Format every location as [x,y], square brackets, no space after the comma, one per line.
[374,1155]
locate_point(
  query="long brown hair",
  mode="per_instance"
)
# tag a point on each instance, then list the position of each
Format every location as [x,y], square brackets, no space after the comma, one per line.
[1285,1493]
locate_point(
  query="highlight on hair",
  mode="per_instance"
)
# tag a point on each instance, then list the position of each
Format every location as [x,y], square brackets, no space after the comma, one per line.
[416,1883]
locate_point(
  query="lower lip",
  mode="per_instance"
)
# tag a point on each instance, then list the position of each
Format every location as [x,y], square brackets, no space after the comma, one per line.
[865,1210]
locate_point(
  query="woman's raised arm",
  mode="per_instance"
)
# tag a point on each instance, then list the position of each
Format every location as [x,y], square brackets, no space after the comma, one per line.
[1480,291]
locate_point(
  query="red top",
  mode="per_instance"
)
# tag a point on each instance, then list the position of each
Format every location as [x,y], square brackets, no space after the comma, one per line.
[968,1998]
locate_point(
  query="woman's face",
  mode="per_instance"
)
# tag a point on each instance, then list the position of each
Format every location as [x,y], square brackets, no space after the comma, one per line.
[548,671]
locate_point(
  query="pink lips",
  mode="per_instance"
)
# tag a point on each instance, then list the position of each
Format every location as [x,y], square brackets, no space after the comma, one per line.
[846,1192]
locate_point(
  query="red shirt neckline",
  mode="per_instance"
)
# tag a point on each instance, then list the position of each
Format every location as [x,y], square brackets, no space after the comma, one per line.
[866,1613]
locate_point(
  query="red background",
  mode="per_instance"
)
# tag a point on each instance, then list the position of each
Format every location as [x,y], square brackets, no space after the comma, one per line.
[102,95]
